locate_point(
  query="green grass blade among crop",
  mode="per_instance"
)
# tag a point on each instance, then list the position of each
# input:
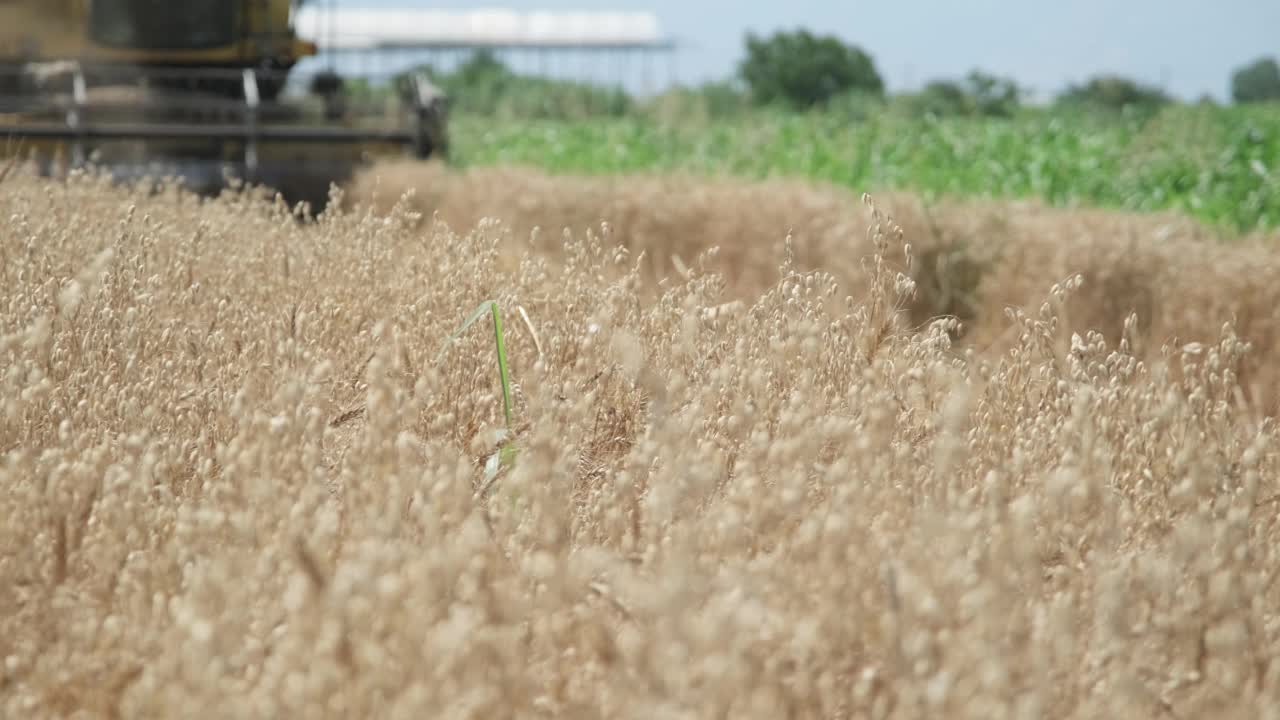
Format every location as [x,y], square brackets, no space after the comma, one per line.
[506,454]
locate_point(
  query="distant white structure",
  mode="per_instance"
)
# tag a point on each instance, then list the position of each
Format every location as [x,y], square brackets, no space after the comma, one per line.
[339,29]
[589,46]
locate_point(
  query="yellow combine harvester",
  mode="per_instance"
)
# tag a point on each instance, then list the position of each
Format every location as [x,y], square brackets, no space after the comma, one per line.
[198,89]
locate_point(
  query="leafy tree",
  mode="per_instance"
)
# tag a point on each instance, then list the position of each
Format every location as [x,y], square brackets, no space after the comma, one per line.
[940,98]
[803,70]
[1113,92]
[1259,81]
[977,94]
[991,95]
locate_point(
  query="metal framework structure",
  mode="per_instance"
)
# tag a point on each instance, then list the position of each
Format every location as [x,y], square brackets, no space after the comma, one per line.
[554,43]
[338,29]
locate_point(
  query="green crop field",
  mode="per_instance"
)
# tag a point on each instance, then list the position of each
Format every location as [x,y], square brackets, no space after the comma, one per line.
[1217,164]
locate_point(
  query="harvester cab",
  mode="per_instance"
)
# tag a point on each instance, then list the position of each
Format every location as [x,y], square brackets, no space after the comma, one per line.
[201,90]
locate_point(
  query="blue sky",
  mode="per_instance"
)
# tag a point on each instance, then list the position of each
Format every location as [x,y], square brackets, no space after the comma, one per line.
[1189,47]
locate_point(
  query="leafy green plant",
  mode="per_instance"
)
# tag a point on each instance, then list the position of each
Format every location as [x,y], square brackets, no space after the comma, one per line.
[506,454]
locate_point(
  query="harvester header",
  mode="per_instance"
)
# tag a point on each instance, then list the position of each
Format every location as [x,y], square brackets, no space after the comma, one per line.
[201,89]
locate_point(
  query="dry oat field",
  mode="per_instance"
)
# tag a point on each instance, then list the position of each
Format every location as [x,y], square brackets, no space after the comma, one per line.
[774,451]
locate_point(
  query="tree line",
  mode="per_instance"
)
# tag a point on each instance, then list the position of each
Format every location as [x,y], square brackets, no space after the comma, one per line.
[802,70]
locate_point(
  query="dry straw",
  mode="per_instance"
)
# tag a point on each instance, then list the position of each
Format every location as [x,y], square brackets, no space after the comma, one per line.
[768,493]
